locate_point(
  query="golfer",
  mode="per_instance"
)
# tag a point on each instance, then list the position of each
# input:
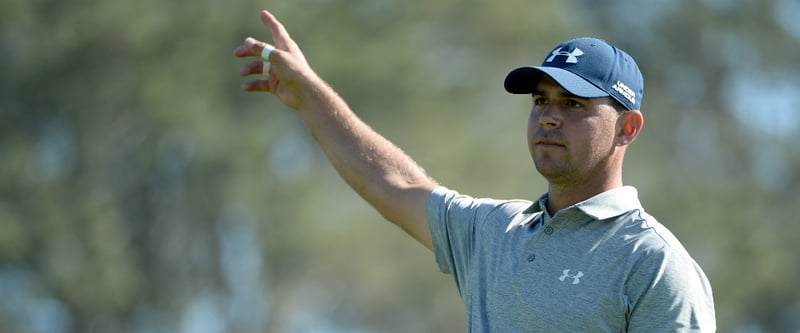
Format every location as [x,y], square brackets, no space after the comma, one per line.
[583,257]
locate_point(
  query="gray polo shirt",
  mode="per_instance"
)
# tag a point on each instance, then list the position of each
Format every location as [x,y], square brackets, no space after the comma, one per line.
[602,265]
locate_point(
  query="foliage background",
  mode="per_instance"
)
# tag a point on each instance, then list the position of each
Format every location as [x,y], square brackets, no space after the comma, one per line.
[142,191]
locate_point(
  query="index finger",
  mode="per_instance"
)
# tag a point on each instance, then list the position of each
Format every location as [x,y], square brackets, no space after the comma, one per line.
[279,34]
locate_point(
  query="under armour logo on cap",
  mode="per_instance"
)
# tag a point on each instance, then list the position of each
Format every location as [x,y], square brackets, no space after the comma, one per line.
[572,57]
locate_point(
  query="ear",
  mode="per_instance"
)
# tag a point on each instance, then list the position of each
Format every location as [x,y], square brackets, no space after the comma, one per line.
[628,126]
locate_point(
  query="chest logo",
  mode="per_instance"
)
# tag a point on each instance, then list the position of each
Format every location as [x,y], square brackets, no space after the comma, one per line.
[576,278]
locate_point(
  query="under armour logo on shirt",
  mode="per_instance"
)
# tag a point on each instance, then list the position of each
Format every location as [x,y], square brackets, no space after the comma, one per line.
[572,57]
[575,278]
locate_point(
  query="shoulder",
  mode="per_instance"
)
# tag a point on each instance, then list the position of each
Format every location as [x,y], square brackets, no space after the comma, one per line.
[659,257]
[451,202]
[648,234]
[653,253]
[665,286]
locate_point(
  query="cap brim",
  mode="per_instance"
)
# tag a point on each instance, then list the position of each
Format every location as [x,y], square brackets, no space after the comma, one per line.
[523,80]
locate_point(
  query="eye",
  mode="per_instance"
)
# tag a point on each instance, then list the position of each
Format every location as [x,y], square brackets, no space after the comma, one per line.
[539,100]
[573,103]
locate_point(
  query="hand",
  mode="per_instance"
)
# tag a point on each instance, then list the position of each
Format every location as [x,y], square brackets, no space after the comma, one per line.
[290,77]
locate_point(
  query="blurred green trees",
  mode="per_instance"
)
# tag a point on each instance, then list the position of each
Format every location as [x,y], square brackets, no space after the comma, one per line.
[142,191]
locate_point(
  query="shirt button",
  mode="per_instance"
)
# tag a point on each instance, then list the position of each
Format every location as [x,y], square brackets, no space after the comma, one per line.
[531,257]
[548,230]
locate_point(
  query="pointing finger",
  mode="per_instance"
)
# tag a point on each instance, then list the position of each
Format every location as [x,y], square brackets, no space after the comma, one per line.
[278,31]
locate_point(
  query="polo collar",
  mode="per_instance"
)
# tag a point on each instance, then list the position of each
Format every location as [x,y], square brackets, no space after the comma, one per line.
[603,206]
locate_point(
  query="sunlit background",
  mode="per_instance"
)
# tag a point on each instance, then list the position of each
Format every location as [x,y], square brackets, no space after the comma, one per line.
[142,191]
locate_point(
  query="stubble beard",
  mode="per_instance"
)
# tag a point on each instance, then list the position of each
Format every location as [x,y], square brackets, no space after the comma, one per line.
[555,169]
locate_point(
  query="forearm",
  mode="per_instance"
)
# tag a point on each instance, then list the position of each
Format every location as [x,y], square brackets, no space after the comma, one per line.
[379,171]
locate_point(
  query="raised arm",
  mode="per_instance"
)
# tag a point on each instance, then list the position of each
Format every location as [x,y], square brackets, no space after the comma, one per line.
[376,169]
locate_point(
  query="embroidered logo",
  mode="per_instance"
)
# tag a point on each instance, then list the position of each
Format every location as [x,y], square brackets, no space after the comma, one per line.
[576,278]
[572,57]
[625,91]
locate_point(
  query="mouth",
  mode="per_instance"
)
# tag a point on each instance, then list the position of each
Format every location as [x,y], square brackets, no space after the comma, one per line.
[548,142]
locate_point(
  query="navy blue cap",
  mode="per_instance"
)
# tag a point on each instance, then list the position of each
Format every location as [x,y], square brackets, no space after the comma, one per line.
[586,67]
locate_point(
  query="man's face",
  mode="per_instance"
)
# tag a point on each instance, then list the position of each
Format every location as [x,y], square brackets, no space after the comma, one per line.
[571,139]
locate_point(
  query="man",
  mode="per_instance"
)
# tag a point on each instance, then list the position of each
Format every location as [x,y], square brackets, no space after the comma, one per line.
[584,257]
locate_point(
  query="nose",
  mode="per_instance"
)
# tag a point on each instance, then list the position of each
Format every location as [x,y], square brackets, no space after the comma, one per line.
[547,116]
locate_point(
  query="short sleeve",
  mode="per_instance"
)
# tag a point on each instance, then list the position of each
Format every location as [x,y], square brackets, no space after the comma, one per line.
[669,292]
[453,220]
[451,224]
[458,226]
